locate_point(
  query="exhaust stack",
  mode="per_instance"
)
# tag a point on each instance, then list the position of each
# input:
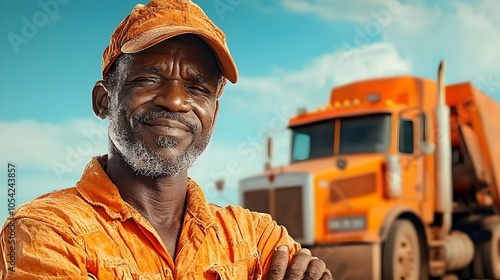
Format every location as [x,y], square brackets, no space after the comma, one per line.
[444,198]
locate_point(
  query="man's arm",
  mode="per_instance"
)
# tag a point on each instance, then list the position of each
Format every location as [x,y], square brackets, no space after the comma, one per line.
[278,250]
[33,249]
[303,266]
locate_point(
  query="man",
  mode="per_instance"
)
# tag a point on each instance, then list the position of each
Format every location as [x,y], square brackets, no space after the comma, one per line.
[135,213]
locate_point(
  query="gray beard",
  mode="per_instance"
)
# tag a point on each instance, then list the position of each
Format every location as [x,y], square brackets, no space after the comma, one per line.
[147,162]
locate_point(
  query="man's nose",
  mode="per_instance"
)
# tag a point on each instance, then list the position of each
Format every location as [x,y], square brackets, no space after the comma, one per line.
[174,97]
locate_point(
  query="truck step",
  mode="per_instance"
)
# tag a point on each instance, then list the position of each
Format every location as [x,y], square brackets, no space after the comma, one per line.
[437,262]
[437,267]
[436,243]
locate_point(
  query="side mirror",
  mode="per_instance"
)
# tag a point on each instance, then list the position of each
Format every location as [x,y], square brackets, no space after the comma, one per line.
[427,148]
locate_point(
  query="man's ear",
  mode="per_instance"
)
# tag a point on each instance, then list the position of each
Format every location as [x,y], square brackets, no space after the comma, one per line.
[221,89]
[100,99]
[215,113]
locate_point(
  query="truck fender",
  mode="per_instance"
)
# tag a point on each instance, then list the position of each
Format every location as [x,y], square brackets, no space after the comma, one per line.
[400,212]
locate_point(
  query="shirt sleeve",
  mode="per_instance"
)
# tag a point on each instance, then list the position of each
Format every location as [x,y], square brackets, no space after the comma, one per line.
[270,236]
[34,249]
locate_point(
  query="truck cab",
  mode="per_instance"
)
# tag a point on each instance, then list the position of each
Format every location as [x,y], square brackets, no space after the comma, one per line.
[366,188]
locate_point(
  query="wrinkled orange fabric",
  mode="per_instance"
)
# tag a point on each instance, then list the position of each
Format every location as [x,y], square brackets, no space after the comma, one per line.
[89,231]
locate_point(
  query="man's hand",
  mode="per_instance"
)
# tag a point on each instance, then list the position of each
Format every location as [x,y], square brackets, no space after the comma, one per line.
[303,266]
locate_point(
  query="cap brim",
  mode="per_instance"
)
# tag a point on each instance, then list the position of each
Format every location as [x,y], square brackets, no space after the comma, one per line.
[157,35]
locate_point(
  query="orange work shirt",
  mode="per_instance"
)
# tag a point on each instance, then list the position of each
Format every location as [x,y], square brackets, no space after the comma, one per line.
[89,232]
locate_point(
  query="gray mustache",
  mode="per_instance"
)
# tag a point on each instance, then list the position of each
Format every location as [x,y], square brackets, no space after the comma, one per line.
[168,115]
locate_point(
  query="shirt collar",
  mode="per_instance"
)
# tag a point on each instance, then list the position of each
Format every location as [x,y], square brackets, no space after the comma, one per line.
[197,205]
[96,187]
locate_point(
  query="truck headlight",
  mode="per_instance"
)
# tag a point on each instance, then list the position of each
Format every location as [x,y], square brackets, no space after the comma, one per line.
[347,223]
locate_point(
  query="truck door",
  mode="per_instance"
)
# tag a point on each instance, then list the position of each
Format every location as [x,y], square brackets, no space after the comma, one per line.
[411,162]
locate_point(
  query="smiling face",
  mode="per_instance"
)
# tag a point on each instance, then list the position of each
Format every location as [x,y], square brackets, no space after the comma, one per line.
[162,111]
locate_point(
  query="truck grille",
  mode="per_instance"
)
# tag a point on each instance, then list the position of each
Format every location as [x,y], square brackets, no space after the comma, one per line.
[257,201]
[352,187]
[286,207]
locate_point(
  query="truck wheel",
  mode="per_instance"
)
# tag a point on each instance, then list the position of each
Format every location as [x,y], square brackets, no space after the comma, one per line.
[491,254]
[401,254]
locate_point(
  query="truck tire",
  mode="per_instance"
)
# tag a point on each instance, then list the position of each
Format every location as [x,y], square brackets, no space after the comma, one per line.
[491,254]
[402,254]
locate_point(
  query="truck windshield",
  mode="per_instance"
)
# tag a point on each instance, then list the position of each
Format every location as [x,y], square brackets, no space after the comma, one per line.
[365,134]
[361,134]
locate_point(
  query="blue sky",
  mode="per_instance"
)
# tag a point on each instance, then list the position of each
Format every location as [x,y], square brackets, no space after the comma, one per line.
[290,53]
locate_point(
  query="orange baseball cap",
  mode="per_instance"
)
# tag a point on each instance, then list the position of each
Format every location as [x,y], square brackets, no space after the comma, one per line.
[159,20]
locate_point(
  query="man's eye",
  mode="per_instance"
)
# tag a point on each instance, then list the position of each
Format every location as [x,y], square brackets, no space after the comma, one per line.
[146,80]
[196,88]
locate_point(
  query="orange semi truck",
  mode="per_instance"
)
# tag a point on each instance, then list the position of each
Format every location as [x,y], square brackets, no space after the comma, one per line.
[395,178]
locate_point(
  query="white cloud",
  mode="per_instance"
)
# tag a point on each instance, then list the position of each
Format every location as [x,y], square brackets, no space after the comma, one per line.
[465,33]
[31,143]
[311,85]
[467,29]
[49,156]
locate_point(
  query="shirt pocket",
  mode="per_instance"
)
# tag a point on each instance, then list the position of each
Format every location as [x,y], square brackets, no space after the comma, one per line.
[105,257]
[250,270]
[122,272]
[106,270]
